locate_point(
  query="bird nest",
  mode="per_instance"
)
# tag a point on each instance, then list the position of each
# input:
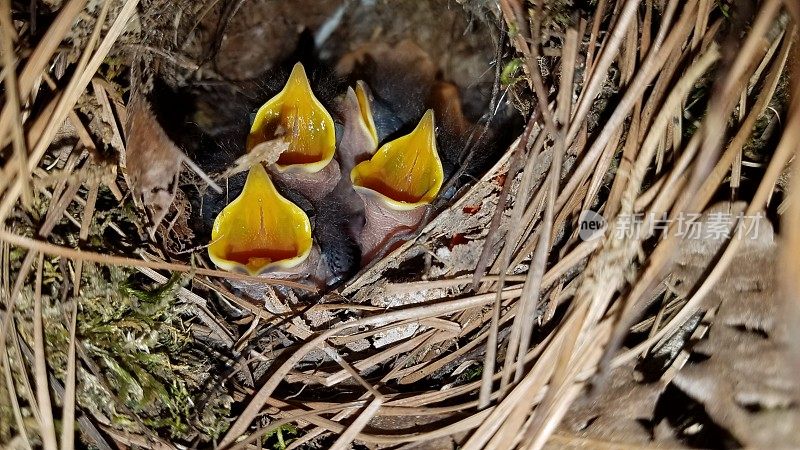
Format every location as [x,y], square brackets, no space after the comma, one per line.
[600,268]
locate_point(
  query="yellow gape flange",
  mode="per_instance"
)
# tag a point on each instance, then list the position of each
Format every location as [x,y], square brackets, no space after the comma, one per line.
[296,115]
[405,172]
[367,120]
[260,229]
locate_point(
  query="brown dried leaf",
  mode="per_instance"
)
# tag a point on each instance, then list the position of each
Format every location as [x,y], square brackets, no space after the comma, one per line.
[153,162]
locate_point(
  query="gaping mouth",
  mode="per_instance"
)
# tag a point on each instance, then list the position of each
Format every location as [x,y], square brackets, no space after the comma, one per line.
[260,229]
[296,115]
[367,121]
[407,171]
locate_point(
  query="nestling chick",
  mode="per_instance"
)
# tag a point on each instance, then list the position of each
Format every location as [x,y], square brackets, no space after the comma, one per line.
[245,233]
[363,165]
[397,184]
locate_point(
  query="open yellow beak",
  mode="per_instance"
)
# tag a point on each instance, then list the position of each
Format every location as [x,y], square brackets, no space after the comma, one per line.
[367,121]
[407,171]
[260,229]
[296,115]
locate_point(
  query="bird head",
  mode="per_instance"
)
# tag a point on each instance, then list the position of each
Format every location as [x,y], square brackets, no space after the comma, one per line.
[396,186]
[260,230]
[297,115]
[367,120]
[359,134]
[405,173]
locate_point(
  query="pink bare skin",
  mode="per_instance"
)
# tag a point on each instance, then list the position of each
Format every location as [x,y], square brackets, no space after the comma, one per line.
[384,223]
[314,186]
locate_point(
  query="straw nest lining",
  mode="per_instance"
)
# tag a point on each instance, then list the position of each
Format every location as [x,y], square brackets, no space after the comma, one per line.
[476,331]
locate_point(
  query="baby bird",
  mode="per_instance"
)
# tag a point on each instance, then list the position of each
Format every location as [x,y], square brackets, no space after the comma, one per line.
[262,232]
[297,117]
[397,185]
[358,165]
